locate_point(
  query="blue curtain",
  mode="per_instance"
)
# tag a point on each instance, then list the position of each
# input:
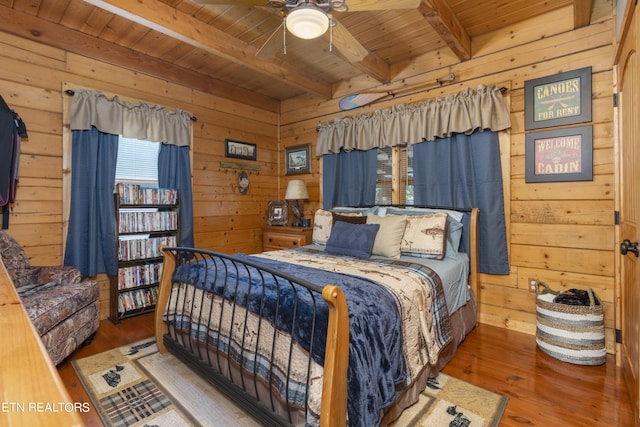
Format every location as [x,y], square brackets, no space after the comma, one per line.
[91,236]
[465,171]
[174,171]
[349,178]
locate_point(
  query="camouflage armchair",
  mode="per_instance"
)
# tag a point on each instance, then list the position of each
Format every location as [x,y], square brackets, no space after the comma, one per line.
[64,309]
[23,274]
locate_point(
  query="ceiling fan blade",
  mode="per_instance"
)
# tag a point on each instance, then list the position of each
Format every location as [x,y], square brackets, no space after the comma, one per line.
[274,43]
[347,45]
[233,2]
[362,5]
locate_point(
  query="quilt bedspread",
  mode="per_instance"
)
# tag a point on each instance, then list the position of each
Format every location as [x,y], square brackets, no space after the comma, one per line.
[400,310]
[426,326]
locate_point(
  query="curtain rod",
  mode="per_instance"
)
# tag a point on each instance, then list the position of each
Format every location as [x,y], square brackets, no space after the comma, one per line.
[71,93]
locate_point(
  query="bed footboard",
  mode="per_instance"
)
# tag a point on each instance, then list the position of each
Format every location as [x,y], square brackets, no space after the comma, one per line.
[276,344]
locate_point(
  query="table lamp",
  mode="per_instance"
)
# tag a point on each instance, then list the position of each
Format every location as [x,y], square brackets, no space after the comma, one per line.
[296,191]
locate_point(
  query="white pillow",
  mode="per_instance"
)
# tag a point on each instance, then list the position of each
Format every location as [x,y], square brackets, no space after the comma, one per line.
[389,235]
[425,236]
[322,223]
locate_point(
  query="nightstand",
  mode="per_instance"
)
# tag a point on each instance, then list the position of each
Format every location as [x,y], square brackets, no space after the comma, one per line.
[276,237]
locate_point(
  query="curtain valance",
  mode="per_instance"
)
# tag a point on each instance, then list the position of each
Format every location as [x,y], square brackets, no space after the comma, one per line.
[464,112]
[143,121]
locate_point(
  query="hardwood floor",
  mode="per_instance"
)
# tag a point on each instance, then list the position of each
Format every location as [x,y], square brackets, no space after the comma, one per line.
[542,391]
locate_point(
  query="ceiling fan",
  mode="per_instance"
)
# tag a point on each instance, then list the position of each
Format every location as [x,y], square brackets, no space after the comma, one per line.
[309,19]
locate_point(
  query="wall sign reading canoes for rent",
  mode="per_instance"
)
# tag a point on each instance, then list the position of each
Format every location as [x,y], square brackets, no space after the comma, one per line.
[558,100]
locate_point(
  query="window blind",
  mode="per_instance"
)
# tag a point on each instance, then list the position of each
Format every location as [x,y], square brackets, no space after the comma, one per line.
[395,175]
[384,176]
[137,161]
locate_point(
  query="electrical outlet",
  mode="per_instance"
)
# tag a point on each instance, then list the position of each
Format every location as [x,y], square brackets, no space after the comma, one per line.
[533,285]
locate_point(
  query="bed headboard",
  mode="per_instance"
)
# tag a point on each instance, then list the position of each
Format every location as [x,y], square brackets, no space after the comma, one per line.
[468,241]
[465,241]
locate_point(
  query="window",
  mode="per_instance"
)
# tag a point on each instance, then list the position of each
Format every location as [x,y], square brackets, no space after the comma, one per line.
[137,162]
[394,183]
[406,174]
[384,176]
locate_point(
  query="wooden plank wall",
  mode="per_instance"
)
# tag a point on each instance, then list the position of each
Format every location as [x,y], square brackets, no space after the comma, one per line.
[32,79]
[559,233]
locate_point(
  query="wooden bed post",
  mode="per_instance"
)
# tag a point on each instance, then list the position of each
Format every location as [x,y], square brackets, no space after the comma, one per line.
[333,412]
[169,265]
[474,280]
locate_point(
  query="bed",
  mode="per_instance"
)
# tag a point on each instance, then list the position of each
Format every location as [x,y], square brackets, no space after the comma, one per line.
[324,334]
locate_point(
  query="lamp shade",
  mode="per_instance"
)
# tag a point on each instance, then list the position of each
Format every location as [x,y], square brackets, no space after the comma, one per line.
[307,21]
[296,190]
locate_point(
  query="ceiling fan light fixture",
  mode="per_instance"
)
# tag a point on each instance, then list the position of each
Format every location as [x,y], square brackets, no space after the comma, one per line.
[308,21]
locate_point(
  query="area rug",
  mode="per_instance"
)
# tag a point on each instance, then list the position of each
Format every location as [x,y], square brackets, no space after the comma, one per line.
[450,402]
[135,385]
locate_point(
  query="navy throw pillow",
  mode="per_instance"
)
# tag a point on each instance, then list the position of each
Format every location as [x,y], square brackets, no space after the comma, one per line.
[354,240]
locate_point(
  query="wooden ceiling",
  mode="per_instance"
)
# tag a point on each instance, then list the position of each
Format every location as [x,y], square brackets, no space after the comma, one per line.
[214,47]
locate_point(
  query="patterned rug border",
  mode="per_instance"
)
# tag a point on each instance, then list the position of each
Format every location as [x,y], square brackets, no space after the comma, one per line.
[183,411]
[150,345]
[433,407]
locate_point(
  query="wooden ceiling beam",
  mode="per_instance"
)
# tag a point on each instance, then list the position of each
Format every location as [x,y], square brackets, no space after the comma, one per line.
[52,34]
[581,13]
[181,26]
[446,24]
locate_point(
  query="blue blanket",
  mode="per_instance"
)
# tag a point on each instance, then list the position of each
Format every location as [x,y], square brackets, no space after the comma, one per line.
[376,361]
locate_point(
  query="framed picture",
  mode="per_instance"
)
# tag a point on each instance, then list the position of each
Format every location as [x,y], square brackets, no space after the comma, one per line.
[561,99]
[278,212]
[559,155]
[297,160]
[239,150]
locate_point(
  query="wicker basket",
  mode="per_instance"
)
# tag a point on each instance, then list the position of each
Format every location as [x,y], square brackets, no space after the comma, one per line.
[570,333]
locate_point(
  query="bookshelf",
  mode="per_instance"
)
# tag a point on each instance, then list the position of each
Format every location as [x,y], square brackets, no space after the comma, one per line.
[146,219]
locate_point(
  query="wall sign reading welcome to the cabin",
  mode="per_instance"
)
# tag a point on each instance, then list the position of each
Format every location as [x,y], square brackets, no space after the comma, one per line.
[560,99]
[559,155]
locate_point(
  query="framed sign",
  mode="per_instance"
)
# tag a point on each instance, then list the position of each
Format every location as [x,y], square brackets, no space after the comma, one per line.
[239,150]
[297,160]
[278,212]
[561,99]
[559,155]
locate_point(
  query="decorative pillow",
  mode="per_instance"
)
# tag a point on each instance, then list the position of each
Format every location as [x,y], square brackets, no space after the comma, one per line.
[350,218]
[353,211]
[425,236]
[454,234]
[352,239]
[389,236]
[457,215]
[322,223]
[454,226]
